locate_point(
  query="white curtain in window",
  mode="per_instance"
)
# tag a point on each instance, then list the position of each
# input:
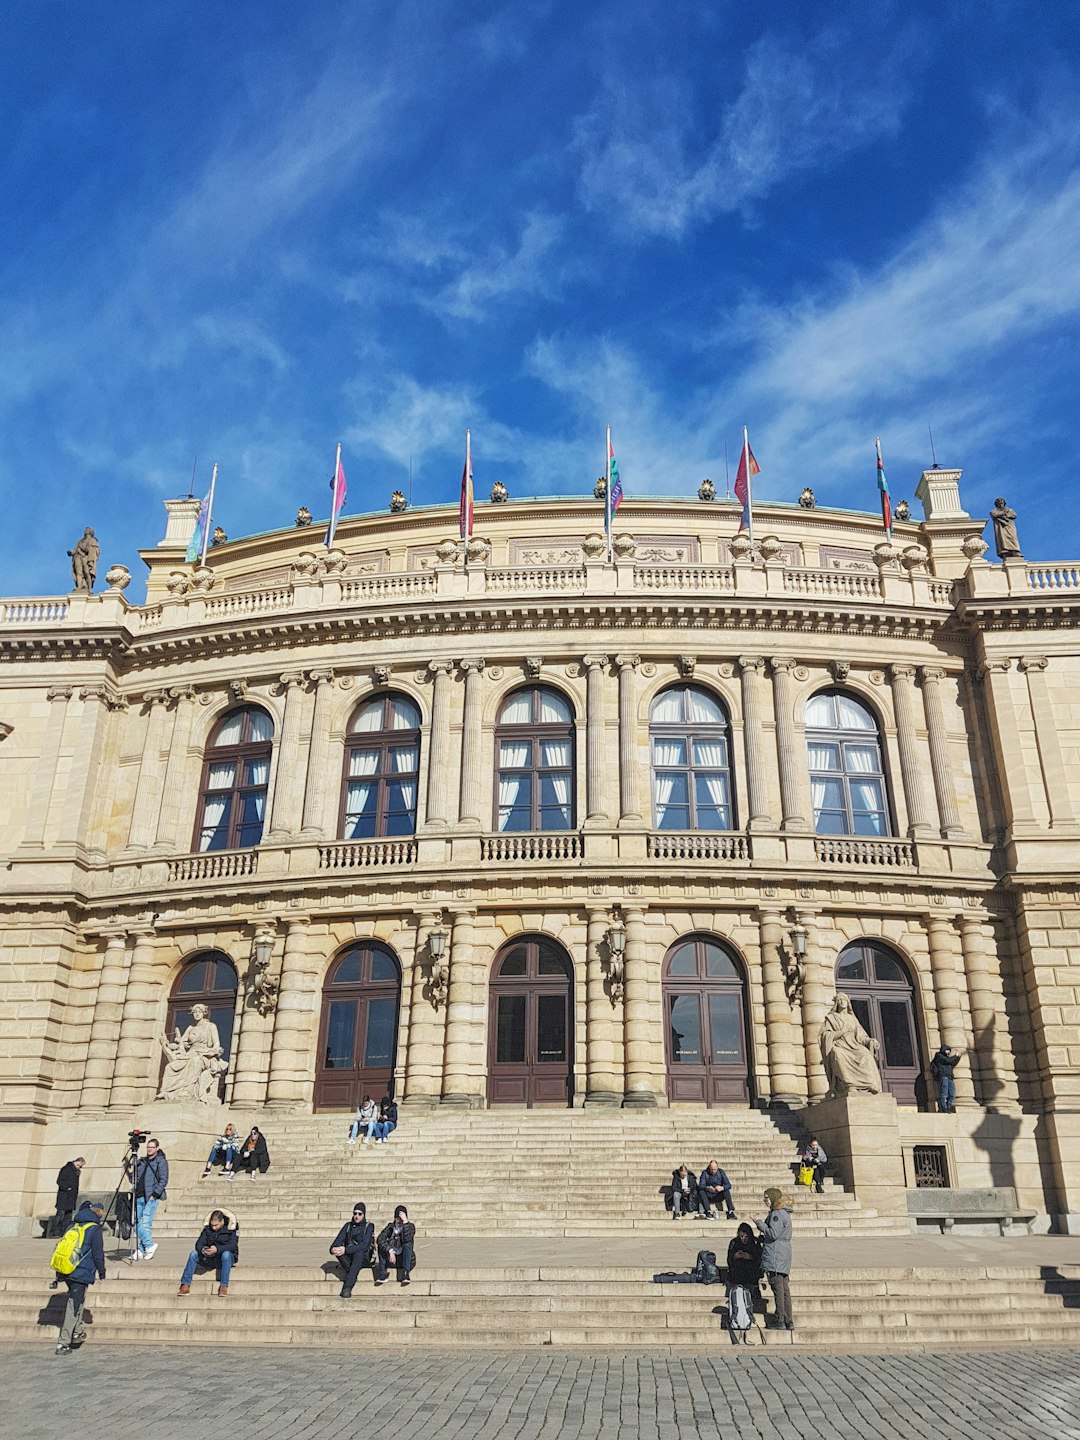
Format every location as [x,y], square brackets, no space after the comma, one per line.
[363,762]
[356,803]
[403,759]
[710,754]
[703,709]
[866,795]
[511,789]
[555,752]
[818,793]
[261,727]
[408,793]
[853,716]
[517,710]
[258,772]
[560,784]
[669,752]
[716,785]
[823,757]
[862,759]
[258,800]
[663,785]
[667,709]
[229,734]
[553,709]
[213,814]
[222,775]
[821,712]
[513,754]
[403,714]
[368,718]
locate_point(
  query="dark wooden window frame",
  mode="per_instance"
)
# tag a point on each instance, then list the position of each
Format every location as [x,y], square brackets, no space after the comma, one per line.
[702,984]
[535,732]
[380,740]
[688,733]
[183,1000]
[843,738]
[241,753]
[362,991]
[888,990]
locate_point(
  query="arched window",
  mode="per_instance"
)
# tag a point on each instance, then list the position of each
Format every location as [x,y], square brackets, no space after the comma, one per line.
[883,999]
[691,761]
[534,771]
[208,979]
[847,778]
[382,762]
[232,802]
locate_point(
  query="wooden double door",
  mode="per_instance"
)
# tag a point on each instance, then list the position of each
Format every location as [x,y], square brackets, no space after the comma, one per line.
[358,1029]
[705,1024]
[530,1032]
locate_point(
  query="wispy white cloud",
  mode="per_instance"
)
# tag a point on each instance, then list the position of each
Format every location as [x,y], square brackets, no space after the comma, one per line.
[531,269]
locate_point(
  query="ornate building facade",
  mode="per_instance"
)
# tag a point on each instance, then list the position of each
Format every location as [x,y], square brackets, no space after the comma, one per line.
[508,824]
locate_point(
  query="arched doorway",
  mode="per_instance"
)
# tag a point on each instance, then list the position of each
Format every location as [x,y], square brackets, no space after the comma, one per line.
[358,1030]
[530,1039]
[705,1024]
[208,979]
[883,999]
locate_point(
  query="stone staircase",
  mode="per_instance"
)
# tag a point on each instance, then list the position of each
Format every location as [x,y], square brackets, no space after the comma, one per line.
[511,1173]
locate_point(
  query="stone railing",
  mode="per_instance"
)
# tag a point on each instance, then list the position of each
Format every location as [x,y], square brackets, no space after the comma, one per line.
[942,592]
[839,584]
[367,854]
[1061,575]
[214,865]
[506,582]
[663,845]
[532,847]
[33,612]
[387,587]
[249,602]
[880,854]
[713,579]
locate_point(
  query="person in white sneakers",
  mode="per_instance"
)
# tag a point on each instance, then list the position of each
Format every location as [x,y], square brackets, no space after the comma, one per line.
[366,1117]
[151,1183]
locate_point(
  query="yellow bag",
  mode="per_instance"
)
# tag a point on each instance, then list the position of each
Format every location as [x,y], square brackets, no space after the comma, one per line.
[806,1174]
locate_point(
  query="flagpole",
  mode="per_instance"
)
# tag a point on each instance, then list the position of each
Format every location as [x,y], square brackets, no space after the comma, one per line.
[209,515]
[607,495]
[468,497]
[331,529]
[749,493]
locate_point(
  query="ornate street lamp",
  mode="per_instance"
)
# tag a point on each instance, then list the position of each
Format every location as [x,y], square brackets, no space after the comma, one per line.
[795,968]
[616,944]
[264,987]
[437,941]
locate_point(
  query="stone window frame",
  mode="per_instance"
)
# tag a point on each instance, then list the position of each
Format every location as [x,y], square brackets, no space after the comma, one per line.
[535,733]
[841,737]
[381,740]
[243,752]
[690,733]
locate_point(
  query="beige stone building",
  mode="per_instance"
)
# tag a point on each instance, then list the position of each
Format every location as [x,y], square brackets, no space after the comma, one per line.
[522,826]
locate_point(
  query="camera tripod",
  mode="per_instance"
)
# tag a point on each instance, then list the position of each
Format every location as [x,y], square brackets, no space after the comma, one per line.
[129,1170]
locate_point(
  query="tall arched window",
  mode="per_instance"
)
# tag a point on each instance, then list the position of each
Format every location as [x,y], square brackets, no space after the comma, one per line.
[534,769]
[847,778]
[883,998]
[691,761]
[232,801]
[382,762]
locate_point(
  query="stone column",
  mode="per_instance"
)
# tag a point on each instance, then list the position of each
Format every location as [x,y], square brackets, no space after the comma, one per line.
[1008,750]
[997,1089]
[464,1051]
[1055,776]
[751,668]
[424,1057]
[104,802]
[792,764]
[292,1074]
[643,1035]
[629,799]
[817,992]
[603,1042]
[595,666]
[902,677]
[252,1035]
[786,1083]
[144,810]
[439,745]
[947,995]
[105,1029]
[288,792]
[85,772]
[930,678]
[45,773]
[175,799]
[138,1055]
[471,737]
[313,821]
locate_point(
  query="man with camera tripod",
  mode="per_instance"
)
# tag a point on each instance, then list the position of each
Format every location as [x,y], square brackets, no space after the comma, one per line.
[151,1180]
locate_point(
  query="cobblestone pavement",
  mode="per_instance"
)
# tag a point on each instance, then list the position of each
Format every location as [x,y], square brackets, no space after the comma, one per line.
[106,1393]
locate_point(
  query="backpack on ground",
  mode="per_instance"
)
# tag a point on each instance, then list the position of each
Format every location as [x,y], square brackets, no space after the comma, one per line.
[740,1307]
[70,1249]
[706,1270]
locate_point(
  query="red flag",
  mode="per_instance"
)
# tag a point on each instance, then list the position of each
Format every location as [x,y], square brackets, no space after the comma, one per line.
[465,514]
[748,468]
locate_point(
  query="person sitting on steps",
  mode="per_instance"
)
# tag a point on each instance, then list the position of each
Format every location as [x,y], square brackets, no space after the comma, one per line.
[218,1246]
[254,1156]
[366,1117]
[395,1246]
[353,1247]
[743,1275]
[387,1120]
[225,1148]
[813,1156]
[714,1187]
[683,1193]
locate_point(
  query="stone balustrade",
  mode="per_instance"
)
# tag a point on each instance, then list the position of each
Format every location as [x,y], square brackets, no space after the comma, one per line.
[1055,576]
[878,854]
[367,854]
[214,865]
[703,845]
[529,847]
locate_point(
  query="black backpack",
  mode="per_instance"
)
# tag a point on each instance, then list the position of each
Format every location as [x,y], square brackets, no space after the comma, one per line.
[706,1269]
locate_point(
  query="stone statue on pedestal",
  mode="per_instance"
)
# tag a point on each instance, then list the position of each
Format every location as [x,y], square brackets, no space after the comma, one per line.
[1006,540]
[195,1064]
[84,560]
[848,1053]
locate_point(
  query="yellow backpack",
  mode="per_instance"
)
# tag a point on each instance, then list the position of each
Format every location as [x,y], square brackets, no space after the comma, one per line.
[71,1246]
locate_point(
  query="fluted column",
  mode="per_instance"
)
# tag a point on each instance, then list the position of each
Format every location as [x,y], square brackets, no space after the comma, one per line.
[642,1028]
[288,791]
[292,1077]
[751,669]
[45,772]
[424,1057]
[930,678]
[786,1082]
[939,933]
[439,745]
[144,810]
[103,808]
[313,821]
[603,1045]
[1055,776]
[175,799]
[464,1016]
[817,990]
[902,678]
[997,1088]
[252,1038]
[471,738]
[85,770]
[595,666]
[1013,774]
[104,1042]
[792,764]
[138,1056]
[629,799]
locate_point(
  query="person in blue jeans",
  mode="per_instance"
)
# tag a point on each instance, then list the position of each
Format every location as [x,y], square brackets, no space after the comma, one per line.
[225,1148]
[941,1068]
[151,1183]
[367,1117]
[387,1120]
[218,1245]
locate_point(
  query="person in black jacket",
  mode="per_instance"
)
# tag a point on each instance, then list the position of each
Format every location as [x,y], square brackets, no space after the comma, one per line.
[743,1282]
[218,1245]
[683,1193]
[254,1157]
[67,1196]
[352,1246]
[387,1120]
[396,1246]
[941,1068]
[91,1266]
[151,1185]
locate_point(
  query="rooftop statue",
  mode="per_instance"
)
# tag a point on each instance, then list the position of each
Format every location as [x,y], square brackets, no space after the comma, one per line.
[84,560]
[1006,540]
[848,1053]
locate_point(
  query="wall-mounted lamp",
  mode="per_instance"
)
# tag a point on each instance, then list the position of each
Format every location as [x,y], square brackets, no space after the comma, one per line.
[437,941]
[616,944]
[795,962]
[264,986]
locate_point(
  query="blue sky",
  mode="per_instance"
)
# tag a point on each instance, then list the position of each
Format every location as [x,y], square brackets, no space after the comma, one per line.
[242,232]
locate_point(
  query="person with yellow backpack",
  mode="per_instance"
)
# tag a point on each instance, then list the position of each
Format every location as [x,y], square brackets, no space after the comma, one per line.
[79,1259]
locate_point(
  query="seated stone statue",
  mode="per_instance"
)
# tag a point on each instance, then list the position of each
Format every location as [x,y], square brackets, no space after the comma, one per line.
[195,1062]
[848,1053]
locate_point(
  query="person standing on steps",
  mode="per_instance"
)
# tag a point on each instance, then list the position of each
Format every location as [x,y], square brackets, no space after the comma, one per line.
[151,1184]
[218,1245]
[813,1157]
[775,1229]
[353,1245]
[396,1246]
[91,1267]
[941,1068]
[714,1187]
[67,1197]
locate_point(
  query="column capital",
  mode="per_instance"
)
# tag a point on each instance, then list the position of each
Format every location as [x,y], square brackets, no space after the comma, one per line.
[992,667]
[59,692]
[435,668]
[938,924]
[596,662]
[116,702]
[151,698]
[930,674]
[286,681]
[94,692]
[296,923]
[322,677]
[751,664]
[1032,662]
[471,665]
[782,664]
[627,662]
[182,692]
[901,672]
[971,923]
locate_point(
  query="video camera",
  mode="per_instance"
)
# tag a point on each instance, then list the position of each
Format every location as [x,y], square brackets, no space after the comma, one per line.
[136,1138]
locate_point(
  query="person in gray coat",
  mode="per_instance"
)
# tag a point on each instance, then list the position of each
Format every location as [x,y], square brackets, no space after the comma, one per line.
[776,1255]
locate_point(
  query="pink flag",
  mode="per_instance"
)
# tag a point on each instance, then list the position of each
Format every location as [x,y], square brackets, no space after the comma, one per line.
[341,493]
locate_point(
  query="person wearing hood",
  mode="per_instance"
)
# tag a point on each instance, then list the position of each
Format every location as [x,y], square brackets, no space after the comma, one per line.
[744,1281]
[218,1245]
[395,1246]
[941,1068]
[67,1196]
[352,1246]
[776,1254]
[91,1267]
